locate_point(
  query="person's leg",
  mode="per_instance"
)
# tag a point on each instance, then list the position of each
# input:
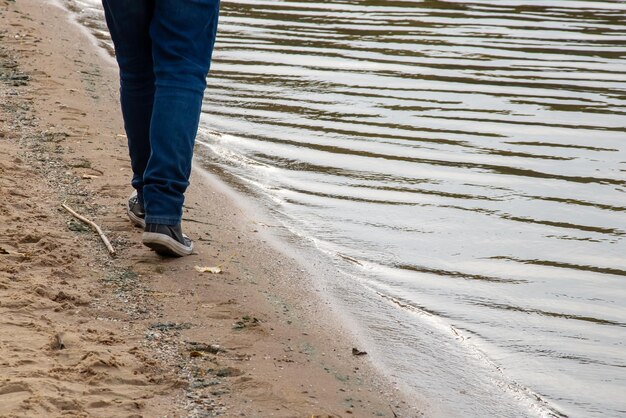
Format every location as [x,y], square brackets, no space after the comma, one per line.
[129,25]
[183,34]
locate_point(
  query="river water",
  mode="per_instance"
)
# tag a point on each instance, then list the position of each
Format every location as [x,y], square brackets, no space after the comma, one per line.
[463,166]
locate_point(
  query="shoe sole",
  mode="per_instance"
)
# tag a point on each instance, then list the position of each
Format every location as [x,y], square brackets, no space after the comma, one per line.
[136,220]
[165,245]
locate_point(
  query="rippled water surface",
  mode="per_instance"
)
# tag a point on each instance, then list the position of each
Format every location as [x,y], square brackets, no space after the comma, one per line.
[464,163]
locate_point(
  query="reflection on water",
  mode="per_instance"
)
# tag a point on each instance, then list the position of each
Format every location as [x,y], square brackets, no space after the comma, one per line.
[465,164]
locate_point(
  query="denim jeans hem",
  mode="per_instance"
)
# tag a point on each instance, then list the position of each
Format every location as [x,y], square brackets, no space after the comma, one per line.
[162,221]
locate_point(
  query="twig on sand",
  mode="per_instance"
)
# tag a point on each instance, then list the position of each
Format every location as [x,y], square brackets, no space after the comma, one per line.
[94,226]
[393,412]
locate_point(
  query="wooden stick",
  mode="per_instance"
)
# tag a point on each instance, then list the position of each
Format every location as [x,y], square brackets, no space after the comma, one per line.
[94,226]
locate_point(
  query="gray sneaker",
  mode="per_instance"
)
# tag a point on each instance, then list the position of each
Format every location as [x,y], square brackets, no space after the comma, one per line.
[135,210]
[167,240]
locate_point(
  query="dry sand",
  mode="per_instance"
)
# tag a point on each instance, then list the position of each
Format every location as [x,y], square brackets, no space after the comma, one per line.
[85,334]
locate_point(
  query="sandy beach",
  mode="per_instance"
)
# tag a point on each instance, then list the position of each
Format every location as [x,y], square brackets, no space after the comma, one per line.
[87,334]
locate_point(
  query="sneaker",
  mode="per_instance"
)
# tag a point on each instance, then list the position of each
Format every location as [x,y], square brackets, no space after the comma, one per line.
[167,240]
[135,210]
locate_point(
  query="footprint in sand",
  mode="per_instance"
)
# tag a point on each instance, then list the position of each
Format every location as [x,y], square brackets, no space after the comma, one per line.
[12,395]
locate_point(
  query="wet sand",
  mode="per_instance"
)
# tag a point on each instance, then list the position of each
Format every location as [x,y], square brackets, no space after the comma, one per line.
[85,334]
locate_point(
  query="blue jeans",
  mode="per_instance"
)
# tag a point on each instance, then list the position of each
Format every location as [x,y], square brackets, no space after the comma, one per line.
[163,48]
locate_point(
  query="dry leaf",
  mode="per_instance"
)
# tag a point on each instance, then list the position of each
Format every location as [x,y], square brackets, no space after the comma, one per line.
[58,342]
[357,352]
[4,251]
[214,270]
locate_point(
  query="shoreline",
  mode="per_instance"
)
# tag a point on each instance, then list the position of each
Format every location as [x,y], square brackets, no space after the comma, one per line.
[139,335]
